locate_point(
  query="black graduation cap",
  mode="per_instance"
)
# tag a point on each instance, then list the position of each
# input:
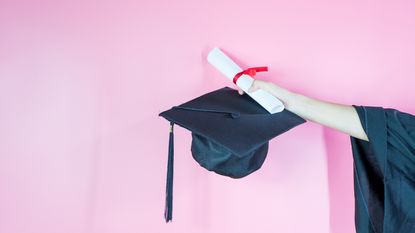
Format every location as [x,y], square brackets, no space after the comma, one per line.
[230,134]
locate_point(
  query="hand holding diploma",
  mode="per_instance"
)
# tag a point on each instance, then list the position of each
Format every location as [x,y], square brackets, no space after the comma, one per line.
[243,79]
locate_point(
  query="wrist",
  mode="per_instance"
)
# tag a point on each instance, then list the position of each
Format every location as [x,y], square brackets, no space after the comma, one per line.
[284,95]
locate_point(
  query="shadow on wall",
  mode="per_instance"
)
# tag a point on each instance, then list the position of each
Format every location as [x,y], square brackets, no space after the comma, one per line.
[340,178]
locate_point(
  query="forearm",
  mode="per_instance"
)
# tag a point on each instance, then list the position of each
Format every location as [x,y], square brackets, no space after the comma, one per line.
[337,116]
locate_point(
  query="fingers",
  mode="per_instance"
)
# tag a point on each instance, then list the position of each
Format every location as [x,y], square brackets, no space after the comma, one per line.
[240,92]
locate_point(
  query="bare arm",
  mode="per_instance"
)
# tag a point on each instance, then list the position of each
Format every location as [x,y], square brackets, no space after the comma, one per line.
[337,116]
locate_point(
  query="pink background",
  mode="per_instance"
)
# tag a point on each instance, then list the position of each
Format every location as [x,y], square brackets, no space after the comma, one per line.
[81,83]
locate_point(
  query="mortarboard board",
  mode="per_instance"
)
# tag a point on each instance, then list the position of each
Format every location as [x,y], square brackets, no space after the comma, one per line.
[230,134]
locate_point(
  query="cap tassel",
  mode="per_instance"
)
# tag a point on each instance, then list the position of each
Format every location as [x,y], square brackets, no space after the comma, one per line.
[169,183]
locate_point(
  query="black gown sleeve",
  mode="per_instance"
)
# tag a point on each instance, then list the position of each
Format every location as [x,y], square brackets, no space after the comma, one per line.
[384,171]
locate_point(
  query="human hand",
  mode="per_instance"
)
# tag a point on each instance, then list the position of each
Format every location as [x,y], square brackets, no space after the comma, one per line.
[337,116]
[270,87]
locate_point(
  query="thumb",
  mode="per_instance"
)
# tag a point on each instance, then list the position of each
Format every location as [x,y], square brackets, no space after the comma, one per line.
[254,86]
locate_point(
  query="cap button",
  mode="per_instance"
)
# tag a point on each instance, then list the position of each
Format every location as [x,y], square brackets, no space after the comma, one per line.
[235,115]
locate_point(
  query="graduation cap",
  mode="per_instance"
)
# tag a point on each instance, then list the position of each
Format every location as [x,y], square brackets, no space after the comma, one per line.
[230,134]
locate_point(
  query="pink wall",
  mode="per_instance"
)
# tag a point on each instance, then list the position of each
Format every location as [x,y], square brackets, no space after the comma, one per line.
[81,83]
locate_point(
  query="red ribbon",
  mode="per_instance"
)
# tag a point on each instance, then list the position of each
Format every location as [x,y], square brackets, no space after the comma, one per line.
[250,71]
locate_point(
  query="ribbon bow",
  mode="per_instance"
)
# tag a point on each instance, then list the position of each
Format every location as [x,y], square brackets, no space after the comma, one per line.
[250,71]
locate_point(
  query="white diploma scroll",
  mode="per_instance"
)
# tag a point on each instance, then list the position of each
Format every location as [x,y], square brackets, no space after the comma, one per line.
[229,68]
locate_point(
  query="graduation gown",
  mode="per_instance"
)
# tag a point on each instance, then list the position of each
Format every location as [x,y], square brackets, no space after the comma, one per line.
[384,171]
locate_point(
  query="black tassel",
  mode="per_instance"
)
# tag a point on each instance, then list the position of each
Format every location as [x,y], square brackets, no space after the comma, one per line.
[168,210]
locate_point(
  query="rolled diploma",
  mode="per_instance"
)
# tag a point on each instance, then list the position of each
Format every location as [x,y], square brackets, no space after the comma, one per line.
[229,68]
